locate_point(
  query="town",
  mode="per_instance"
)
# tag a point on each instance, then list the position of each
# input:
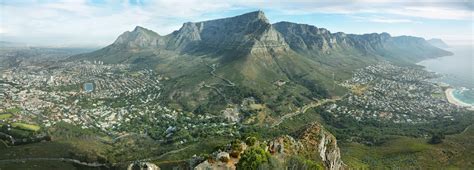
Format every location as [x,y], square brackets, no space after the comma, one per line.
[116,99]
[393,93]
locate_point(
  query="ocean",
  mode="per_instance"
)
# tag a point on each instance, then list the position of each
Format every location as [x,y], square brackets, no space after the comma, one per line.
[457,71]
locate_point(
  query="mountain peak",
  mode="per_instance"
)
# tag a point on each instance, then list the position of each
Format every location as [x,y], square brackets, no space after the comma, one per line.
[139,37]
[244,32]
[143,30]
[255,14]
[139,28]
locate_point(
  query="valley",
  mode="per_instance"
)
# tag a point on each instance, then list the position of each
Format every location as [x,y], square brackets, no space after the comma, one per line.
[236,92]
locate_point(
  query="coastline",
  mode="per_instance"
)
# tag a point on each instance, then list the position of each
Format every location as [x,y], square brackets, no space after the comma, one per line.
[453,100]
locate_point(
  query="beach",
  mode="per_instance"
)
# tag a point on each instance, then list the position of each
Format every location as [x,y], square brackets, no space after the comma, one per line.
[455,101]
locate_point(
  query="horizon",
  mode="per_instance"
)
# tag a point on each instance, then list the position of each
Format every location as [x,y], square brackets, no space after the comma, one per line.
[97,23]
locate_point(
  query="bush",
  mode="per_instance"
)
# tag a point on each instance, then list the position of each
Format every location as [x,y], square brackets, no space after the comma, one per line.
[436,138]
[253,158]
[250,141]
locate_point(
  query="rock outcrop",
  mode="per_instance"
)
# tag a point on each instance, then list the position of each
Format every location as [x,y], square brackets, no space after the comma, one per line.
[250,31]
[313,143]
[315,139]
[137,39]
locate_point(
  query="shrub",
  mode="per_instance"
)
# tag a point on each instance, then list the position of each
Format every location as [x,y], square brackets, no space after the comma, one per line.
[253,158]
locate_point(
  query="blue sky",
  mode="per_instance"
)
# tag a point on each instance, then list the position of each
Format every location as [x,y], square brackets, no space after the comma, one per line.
[99,22]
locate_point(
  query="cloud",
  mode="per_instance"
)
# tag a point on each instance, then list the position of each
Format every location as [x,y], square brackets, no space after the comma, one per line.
[83,22]
[378,19]
[433,13]
[445,10]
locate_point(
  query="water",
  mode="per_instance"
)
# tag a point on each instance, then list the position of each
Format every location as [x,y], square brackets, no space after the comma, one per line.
[457,71]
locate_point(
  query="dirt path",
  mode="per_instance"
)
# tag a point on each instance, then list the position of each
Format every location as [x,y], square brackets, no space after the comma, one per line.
[303,109]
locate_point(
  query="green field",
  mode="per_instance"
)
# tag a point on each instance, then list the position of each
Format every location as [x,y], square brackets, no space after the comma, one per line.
[456,151]
[5,116]
[25,126]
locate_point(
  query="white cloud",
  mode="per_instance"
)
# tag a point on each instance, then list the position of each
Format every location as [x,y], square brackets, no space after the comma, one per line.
[433,13]
[379,19]
[78,22]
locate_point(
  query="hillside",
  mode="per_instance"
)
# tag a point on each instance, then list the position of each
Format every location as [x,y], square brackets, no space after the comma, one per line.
[438,43]
[219,62]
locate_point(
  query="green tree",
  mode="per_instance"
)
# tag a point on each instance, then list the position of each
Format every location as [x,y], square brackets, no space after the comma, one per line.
[253,158]
[436,138]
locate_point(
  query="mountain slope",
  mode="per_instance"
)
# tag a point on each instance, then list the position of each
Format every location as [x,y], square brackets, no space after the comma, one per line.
[219,62]
[438,43]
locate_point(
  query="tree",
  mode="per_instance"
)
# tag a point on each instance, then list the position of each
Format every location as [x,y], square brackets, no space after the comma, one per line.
[436,138]
[253,158]
[250,141]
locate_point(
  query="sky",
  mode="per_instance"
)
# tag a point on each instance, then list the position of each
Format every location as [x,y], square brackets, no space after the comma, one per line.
[97,23]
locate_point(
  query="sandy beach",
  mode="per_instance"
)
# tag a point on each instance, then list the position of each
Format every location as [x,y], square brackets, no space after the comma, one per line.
[453,100]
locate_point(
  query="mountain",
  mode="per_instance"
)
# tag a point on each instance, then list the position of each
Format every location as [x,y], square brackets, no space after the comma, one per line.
[438,43]
[219,62]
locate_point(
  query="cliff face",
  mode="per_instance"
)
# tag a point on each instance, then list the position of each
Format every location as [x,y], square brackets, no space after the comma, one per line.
[252,34]
[310,40]
[316,140]
[243,33]
[137,39]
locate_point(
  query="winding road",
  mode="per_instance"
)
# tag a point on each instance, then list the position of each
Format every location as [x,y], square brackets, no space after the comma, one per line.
[303,109]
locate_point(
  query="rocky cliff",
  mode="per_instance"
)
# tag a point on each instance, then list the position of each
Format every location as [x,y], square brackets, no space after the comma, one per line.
[313,147]
[316,139]
[241,33]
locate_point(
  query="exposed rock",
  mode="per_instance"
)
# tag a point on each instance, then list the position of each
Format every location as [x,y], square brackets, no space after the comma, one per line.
[139,38]
[142,166]
[313,143]
[317,140]
[250,31]
[223,156]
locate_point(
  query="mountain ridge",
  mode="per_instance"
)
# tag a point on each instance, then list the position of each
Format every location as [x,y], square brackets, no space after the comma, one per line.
[252,53]
[438,43]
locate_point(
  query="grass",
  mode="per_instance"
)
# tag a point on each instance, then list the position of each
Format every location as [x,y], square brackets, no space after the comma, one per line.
[5,116]
[14,110]
[456,151]
[25,126]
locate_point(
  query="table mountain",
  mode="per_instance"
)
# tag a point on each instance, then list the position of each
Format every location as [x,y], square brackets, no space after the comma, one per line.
[217,62]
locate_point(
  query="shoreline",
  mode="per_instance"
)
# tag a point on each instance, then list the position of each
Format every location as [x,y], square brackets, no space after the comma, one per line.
[453,100]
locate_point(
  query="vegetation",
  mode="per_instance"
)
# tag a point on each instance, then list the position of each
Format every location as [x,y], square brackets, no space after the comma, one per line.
[376,132]
[25,126]
[253,158]
[408,153]
[5,116]
[436,138]
[298,162]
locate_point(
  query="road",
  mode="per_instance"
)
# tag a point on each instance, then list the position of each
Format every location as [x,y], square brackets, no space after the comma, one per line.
[303,109]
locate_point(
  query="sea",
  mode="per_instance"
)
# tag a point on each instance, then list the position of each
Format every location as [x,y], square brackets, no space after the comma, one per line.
[456,70]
